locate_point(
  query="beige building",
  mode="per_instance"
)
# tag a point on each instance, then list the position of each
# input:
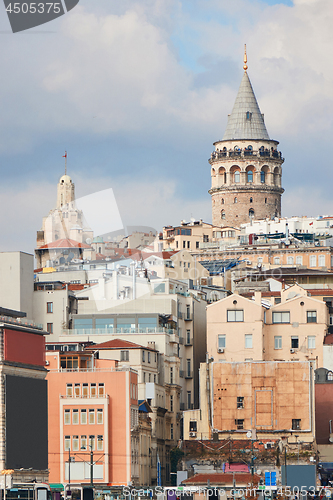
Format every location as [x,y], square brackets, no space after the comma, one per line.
[239,329]
[268,400]
[246,166]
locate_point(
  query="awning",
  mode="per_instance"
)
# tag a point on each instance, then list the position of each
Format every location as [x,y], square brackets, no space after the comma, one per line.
[57,486]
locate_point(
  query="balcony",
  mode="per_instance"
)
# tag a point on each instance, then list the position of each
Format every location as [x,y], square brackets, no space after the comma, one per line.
[189,374]
[188,317]
[189,341]
[115,331]
[245,153]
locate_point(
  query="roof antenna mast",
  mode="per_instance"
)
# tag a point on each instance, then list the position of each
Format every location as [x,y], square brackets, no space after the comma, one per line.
[245,59]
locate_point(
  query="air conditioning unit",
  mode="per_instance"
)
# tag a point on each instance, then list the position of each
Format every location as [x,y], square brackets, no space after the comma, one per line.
[220,349]
[193,434]
[292,351]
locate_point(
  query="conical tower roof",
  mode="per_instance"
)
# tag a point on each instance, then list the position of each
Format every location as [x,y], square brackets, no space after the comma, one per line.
[246,120]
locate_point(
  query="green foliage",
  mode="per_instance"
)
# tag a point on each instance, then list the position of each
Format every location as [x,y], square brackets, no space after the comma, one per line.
[175,456]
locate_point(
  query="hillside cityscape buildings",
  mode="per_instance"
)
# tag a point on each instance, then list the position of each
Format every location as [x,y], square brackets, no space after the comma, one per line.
[193,350]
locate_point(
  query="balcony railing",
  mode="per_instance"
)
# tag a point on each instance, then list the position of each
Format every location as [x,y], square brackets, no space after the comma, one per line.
[244,153]
[115,331]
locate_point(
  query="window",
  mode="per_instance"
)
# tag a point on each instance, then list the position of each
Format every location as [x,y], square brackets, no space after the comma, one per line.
[299,260]
[311,316]
[262,178]
[83,417]
[277,300]
[188,336]
[67,417]
[77,390]
[248,341]
[239,422]
[188,244]
[235,200]
[184,244]
[250,176]
[313,260]
[100,443]
[237,176]
[101,390]
[149,377]
[294,342]
[221,341]
[235,315]
[197,244]
[321,260]
[124,355]
[75,417]
[49,307]
[69,390]
[277,342]
[83,442]
[276,260]
[49,327]
[290,260]
[171,431]
[99,415]
[311,342]
[67,443]
[329,376]
[222,201]
[240,402]
[193,426]
[188,367]
[189,400]
[149,356]
[84,390]
[171,403]
[75,443]
[251,200]
[93,390]
[251,212]
[91,416]
[143,356]
[171,375]
[222,216]
[281,317]
[296,424]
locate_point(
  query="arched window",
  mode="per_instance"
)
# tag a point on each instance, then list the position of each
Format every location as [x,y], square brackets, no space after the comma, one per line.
[329,376]
[251,200]
[235,200]
[249,176]
[262,177]
[222,214]
[251,212]
[222,201]
[265,200]
[237,176]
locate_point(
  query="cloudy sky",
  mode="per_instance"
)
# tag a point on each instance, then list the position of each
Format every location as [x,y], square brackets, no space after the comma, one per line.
[138,90]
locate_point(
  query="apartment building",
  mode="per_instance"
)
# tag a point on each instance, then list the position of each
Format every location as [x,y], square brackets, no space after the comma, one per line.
[23,396]
[258,400]
[292,329]
[93,420]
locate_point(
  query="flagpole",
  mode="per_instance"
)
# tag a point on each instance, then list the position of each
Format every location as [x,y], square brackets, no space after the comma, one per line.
[65,156]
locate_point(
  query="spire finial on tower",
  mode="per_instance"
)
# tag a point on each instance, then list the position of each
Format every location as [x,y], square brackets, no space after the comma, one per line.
[65,156]
[245,59]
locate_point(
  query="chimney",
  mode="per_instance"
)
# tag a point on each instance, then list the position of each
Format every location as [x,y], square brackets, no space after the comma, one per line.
[257,297]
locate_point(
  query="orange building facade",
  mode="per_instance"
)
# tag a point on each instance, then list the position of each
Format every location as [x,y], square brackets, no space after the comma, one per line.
[93,409]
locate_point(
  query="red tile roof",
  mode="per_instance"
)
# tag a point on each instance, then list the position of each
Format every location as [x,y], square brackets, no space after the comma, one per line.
[64,243]
[120,344]
[219,478]
[328,340]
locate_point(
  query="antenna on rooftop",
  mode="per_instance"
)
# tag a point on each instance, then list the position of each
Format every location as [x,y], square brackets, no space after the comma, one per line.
[65,156]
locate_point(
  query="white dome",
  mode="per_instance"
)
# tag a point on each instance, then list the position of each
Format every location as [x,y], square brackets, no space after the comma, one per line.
[65,179]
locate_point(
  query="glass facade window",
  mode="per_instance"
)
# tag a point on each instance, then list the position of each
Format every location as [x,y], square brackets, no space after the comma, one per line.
[104,323]
[147,324]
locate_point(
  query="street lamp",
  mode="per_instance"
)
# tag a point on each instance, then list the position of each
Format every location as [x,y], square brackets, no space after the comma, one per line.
[91,463]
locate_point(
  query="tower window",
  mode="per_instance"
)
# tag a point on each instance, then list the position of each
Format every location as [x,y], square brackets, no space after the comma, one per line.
[262,177]
[248,115]
[222,201]
[265,200]
[250,176]
[222,214]
[251,200]
[237,176]
[235,200]
[251,212]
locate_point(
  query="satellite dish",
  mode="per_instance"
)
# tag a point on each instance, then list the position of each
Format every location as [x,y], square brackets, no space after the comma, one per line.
[88,241]
[62,260]
[331,439]
[70,257]
[249,434]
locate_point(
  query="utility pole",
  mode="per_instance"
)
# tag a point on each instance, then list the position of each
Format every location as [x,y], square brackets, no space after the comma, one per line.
[69,466]
[91,466]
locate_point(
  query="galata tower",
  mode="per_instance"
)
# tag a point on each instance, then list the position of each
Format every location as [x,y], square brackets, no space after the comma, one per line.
[246,165]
